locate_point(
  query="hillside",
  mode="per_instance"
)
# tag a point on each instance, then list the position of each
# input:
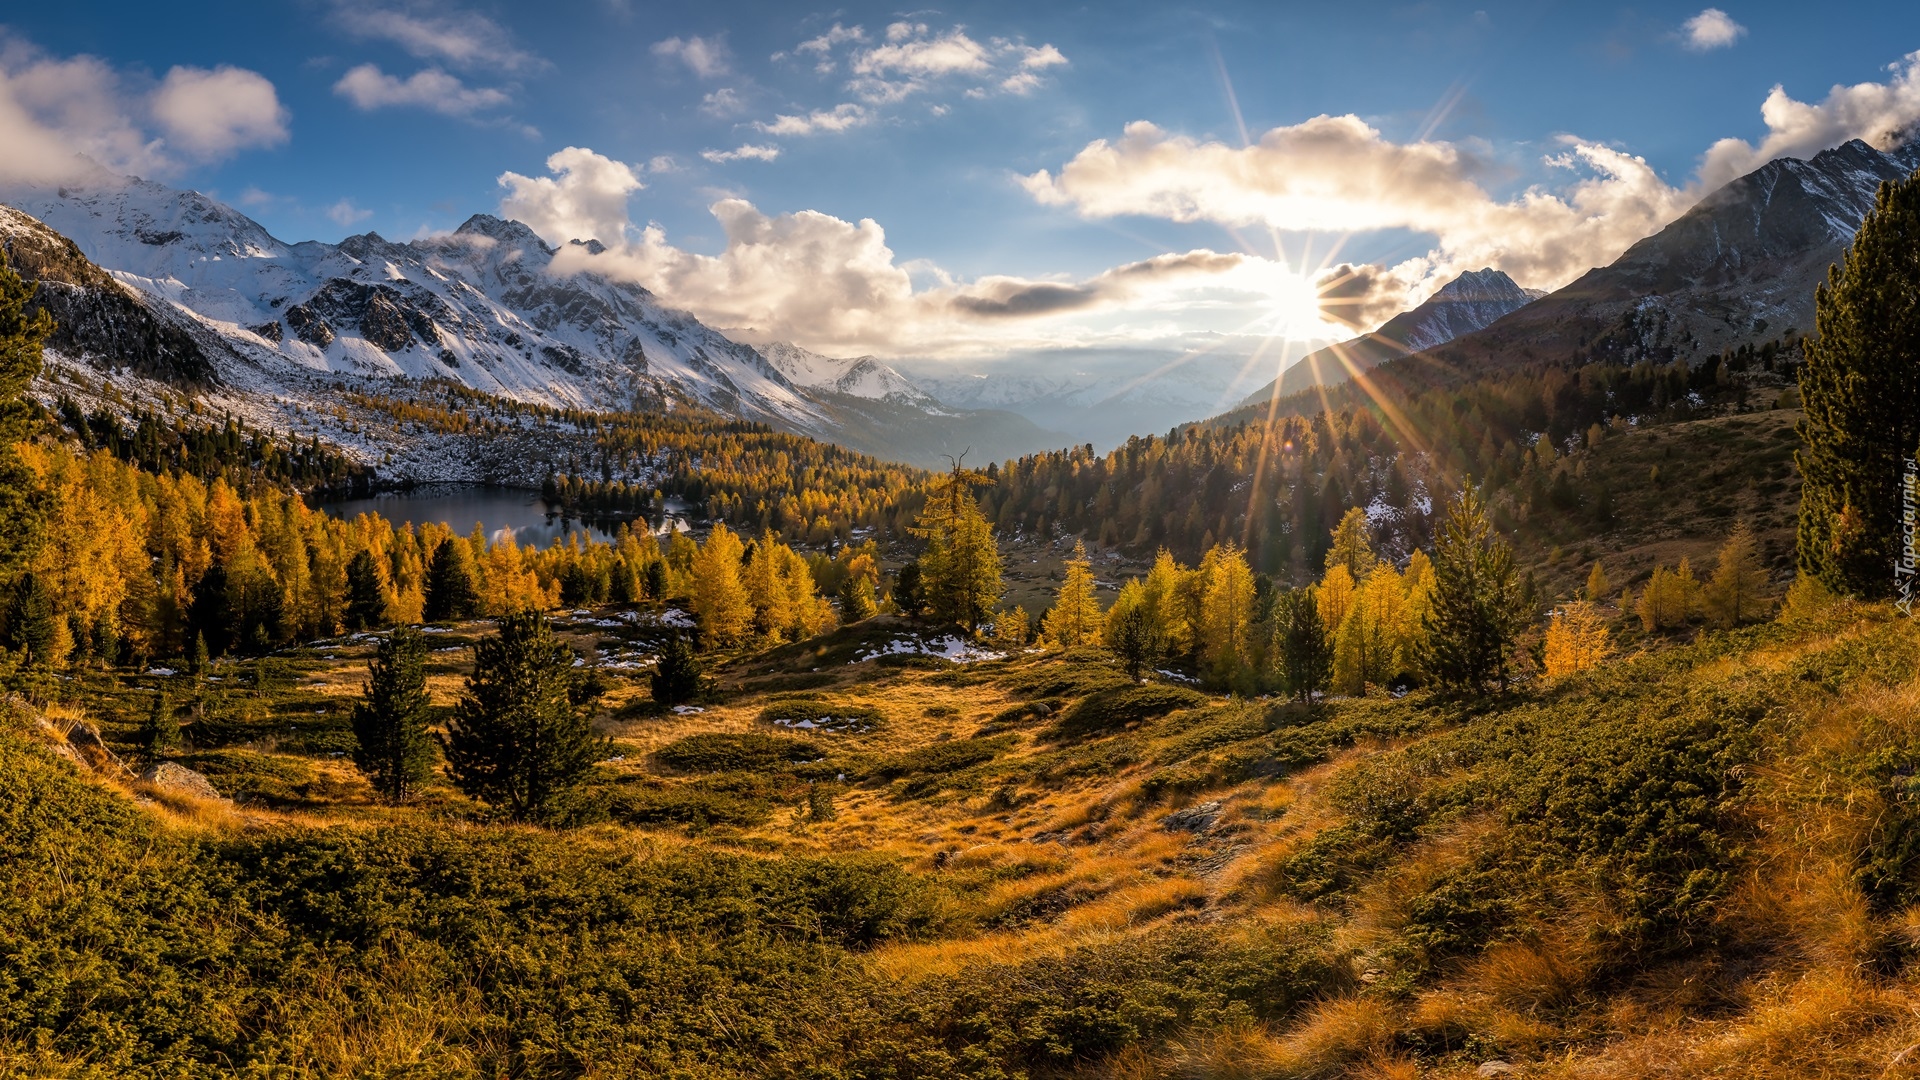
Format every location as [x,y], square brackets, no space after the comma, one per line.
[1024,866]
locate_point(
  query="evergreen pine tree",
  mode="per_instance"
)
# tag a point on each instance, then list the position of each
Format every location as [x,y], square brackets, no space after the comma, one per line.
[197,658]
[677,675]
[517,741]
[1074,619]
[1478,607]
[1136,641]
[22,340]
[959,575]
[161,731]
[451,590]
[392,745]
[1305,650]
[1860,387]
[366,593]
[1734,594]
[30,626]
[656,578]
[856,598]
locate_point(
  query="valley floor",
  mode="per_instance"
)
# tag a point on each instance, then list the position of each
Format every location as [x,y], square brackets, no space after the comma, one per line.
[1693,861]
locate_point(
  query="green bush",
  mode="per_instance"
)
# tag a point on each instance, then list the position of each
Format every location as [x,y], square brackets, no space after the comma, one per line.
[1108,711]
[726,752]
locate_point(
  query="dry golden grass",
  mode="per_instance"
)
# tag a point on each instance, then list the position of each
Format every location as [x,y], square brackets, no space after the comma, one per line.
[1335,1035]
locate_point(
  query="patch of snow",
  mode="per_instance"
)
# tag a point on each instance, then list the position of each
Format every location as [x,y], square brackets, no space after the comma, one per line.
[948,647]
[687,710]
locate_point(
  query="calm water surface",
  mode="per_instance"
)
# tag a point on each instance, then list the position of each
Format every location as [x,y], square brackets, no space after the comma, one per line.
[499,512]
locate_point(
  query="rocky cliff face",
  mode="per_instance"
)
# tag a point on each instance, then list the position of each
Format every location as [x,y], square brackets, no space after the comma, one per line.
[95,317]
[1738,268]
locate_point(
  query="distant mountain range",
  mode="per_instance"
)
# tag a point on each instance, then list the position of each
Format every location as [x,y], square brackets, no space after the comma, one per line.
[478,307]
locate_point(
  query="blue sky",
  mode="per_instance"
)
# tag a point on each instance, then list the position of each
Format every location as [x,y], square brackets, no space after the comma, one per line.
[989,142]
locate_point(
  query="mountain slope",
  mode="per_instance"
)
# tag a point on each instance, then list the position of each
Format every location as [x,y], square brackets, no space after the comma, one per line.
[1739,267]
[1470,302]
[477,307]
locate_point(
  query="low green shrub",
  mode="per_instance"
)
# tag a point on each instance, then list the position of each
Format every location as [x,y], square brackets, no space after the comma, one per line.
[1111,710]
[814,714]
[735,752]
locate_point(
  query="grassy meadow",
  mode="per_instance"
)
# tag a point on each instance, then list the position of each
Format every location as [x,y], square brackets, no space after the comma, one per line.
[1692,861]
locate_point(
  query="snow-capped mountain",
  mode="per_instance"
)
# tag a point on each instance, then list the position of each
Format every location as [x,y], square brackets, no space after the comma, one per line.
[1470,302]
[1104,398]
[1740,267]
[480,307]
[862,377]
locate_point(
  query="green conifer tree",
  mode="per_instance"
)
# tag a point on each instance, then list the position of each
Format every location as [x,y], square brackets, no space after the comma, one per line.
[23,337]
[677,675]
[1136,641]
[1478,605]
[1860,387]
[451,591]
[1305,648]
[366,593]
[517,740]
[161,731]
[392,745]
[29,623]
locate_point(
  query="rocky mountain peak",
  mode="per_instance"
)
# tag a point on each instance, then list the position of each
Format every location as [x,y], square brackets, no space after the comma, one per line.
[504,230]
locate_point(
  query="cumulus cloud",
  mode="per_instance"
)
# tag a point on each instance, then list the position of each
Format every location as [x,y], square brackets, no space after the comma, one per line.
[431,32]
[913,57]
[53,111]
[723,102]
[822,281]
[370,88]
[838,118]
[1883,114]
[749,152]
[837,35]
[211,114]
[1361,296]
[1338,174]
[584,199]
[346,215]
[1711,29]
[706,57]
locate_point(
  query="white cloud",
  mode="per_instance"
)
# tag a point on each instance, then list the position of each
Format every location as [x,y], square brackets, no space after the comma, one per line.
[706,57]
[211,114]
[914,58]
[346,215]
[1883,114]
[742,153]
[835,285]
[462,39]
[723,102]
[821,48]
[53,111]
[1711,29]
[370,88]
[838,118]
[585,199]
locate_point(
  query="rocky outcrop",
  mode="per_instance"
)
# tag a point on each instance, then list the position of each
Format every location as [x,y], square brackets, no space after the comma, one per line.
[179,780]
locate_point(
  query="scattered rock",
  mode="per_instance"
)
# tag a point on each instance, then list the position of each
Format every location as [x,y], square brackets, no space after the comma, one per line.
[1198,818]
[179,779]
[1493,1068]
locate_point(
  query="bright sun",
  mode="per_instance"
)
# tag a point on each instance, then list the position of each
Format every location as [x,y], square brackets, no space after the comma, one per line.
[1295,307]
